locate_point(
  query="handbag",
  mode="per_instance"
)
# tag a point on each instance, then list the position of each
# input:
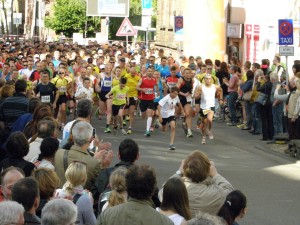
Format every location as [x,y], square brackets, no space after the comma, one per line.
[248,95]
[261,98]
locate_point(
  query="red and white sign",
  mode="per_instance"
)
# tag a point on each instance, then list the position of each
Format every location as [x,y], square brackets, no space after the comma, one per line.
[256,30]
[126,29]
[248,30]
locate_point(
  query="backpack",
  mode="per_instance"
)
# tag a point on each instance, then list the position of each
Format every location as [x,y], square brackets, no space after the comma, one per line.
[283,74]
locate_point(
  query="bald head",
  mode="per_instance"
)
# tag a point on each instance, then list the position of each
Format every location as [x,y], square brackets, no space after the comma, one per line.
[8,178]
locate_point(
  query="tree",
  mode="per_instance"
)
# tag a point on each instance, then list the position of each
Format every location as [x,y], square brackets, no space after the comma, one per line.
[70,17]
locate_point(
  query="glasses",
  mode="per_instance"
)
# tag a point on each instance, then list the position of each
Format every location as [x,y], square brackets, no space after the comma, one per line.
[209,68]
[111,62]
[25,64]
[61,73]
[151,60]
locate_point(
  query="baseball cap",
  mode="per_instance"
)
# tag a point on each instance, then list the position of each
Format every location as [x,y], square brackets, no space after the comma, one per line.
[102,66]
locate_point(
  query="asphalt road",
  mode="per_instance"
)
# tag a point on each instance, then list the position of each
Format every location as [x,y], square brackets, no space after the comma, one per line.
[269,180]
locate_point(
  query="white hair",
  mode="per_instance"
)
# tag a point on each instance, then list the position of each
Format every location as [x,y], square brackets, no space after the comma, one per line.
[82,133]
[59,212]
[206,219]
[9,211]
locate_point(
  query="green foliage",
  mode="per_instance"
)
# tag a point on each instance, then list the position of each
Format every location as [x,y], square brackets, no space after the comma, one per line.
[70,17]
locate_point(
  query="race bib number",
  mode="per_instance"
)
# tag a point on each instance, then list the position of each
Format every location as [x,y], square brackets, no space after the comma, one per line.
[149,91]
[63,89]
[171,84]
[205,111]
[45,99]
[171,106]
[188,98]
[107,83]
[135,98]
[120,96]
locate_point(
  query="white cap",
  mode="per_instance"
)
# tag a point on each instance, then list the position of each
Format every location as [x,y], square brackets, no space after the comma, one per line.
[102,66]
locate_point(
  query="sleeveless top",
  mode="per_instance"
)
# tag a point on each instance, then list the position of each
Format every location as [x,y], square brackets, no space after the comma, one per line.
[186,86]
[208,97]
[149,85]
[105,84]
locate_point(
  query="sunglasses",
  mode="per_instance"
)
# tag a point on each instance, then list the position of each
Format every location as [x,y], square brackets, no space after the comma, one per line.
[61,73]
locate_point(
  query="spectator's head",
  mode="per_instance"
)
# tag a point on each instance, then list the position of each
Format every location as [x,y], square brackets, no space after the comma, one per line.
[247,65]
[26,192]
[46,128]
[82,133]
[47,181]
[33,104]
[233,69]
[128,151]
[234,207]
[41,112]
[11,212]
[206,219]
[48,148]
[224,67]
[76,175]
[255,66]
[17,145]
[296,68]
[250,75]
[276,60]
[196,166]
[59,212]
[175,197]
[140,182]
[7,91]
[21,86]
[9,177]
[117,183]
[84,108]
[258,73]
[273,77]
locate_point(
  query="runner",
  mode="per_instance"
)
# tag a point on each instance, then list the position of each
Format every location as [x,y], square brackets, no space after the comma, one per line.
[63,85]
[185,84]
[103,86]
[85,92]
[146,95]
[166,113]
[46,91]
[132,81]
[207,105]
[161,87]
[120,99]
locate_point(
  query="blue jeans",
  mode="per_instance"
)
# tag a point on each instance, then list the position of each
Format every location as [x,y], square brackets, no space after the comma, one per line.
[277,112]
[232,97]
[256,107]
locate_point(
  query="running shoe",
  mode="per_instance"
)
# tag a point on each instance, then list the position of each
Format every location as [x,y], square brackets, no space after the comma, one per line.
[116,130]
[203,141]
[185,130]
[129,131]
[107,130]
[151,129]
[147,133]
[157,124]
[171,147]
[189,134]
[124,123]
[123,131]
[127,118]
[210,135]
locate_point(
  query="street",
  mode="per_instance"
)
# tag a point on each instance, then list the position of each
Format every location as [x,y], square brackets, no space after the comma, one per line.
[269,180]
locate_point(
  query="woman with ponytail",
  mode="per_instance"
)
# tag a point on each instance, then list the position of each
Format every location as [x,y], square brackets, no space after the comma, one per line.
[76,176]
[118,193]
[234,207]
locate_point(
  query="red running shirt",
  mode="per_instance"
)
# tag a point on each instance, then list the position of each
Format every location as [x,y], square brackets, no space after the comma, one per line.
[149,84]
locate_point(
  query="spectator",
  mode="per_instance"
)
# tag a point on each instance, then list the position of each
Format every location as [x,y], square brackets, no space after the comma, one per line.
[76,176]
[175,202]
[140,182]
[206,188]
[14,106]
[21,122]
[46,128]
[292,111]
[9,177]
[11,213]
[26,192]
[6,91]
[118,193]
[206,219]
[39,113]
[48,182]
[48,148]
[234,207]
[82,134]
[17,147]
[59,211]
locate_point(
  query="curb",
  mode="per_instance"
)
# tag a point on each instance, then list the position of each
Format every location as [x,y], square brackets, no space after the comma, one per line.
[277,153]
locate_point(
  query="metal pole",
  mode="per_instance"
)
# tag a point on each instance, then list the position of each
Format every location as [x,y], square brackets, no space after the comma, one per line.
[126,41]
[287,71]
[147,38]
[17,32]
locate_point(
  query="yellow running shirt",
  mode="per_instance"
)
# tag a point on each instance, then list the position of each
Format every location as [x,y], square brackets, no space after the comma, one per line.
[132,83]
[61,84]
[119,95]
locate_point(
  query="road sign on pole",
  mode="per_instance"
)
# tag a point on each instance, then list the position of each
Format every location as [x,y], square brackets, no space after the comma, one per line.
[126,29]
[286,32]
[286,50]
[17,18]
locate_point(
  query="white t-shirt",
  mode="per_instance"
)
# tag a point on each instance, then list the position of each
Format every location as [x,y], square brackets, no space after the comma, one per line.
[176,218]
[26,72]
[208,97]
[168,106]
[89,92]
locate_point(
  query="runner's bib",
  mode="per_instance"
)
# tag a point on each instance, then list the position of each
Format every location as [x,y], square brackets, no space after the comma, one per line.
[188,98]
[120,96]
[63,89]
[148,91]
[107,83]
[45,99]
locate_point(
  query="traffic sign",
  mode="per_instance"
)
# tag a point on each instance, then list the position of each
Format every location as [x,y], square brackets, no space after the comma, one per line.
[146,4]
[178,24]
[286,50]
[126,29]
[286,32]
[17,18]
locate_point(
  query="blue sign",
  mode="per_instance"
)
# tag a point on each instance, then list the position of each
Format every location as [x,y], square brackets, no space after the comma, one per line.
[178,24]
[286,32]
[146,4]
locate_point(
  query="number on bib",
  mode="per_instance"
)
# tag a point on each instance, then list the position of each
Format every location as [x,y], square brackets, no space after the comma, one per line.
[45,99]
[149,91]
[107,83]
[120,96]
[63,89]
